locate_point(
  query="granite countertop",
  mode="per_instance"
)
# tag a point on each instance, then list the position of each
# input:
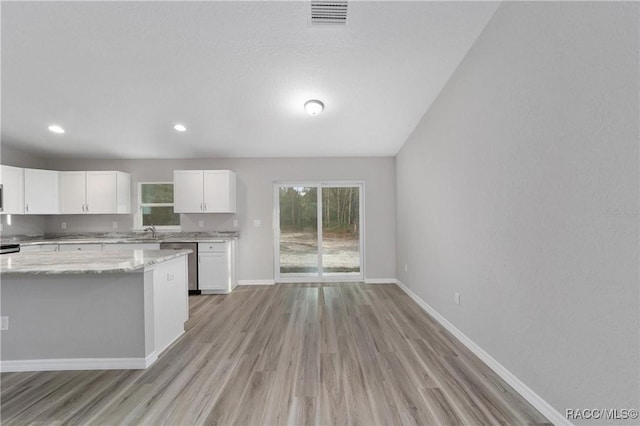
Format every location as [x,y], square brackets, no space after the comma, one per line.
[84,262]
[114,238]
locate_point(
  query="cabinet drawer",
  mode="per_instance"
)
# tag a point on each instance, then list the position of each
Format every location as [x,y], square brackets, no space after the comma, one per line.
[80,247]
[27,249]
[131,246]
[212,247]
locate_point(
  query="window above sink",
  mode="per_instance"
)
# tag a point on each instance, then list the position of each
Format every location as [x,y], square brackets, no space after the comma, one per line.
[155,207]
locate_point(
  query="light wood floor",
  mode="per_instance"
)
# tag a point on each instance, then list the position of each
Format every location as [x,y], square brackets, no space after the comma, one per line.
[286,354]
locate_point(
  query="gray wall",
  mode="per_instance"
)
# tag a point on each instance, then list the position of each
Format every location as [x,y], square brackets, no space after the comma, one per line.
[72,316]
[12,155]
[255,201]
[519,188]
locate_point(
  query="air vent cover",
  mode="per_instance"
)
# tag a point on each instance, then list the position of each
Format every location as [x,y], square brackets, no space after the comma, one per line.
[328,12]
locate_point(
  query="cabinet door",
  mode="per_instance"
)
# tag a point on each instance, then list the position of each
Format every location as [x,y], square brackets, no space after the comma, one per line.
[212,271]
[187,191]
[217,194]
[123,201]
[101,193]
[12,180]
[72,192]
[170,299]
[41,191]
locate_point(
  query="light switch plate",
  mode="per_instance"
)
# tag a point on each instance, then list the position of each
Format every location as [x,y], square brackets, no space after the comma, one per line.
[456,298]
[201,223]
[63,225]
[257,222]
[114,225]
[235,223]
[4,323]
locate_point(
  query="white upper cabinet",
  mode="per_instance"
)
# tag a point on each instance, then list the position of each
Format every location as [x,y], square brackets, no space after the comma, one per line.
[72,192]
[12,180]
[219,191]
[40,191]
[188,190]
[95,192]
[204,191]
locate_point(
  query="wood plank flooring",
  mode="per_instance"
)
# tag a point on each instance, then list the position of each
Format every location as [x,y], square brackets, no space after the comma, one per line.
[295,354]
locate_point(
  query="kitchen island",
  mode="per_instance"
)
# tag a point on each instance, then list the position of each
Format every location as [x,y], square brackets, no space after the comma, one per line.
[91,310]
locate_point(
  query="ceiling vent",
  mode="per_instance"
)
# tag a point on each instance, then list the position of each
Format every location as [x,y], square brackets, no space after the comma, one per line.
[328,12]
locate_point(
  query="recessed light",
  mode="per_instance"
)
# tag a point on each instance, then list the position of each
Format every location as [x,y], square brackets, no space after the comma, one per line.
[313,107]
[180,127]
[56,129]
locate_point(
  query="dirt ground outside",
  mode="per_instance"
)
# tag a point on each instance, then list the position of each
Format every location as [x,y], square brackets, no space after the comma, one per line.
[299,249]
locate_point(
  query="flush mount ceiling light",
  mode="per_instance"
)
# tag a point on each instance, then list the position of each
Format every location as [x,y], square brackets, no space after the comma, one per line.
[56,129]
[179,127]
[313,107]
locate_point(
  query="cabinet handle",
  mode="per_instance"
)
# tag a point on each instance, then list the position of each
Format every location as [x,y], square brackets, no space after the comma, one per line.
[26,207]
[205,207]
[199,258]
[87,208]
[201,209]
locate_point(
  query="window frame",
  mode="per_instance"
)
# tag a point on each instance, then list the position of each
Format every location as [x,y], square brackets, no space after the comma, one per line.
[139,216]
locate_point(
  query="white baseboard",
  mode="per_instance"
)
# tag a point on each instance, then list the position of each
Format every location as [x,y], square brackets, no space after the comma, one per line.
[527,393]
[256,282]
[380,281]
[78,364]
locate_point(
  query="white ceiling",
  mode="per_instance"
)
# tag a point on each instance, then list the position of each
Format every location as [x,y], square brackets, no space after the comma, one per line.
[118,75]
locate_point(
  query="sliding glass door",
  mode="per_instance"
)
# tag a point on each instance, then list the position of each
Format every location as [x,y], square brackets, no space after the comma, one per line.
[318,231]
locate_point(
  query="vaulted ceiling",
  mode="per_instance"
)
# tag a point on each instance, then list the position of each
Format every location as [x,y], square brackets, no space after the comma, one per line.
[118,75]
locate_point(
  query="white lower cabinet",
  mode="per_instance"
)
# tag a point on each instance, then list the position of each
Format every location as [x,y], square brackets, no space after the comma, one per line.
[216,267]
[170,301]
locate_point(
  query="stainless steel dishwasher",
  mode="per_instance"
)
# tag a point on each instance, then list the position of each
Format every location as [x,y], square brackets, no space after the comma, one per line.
[192,262]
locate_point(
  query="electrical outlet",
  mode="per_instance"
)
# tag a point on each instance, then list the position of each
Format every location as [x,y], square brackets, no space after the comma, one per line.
[4,323]
[406,267]
[235,223]
[257,222]
[456,298]
[63,225]
[114,225]
[201,223]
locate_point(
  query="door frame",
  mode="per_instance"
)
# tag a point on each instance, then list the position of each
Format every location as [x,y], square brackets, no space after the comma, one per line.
[292,278]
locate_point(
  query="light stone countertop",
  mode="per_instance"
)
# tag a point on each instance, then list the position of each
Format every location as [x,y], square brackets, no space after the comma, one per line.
[84,262]
[117,238]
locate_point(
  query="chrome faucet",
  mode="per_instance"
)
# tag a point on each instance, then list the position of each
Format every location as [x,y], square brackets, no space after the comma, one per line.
[151,228]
